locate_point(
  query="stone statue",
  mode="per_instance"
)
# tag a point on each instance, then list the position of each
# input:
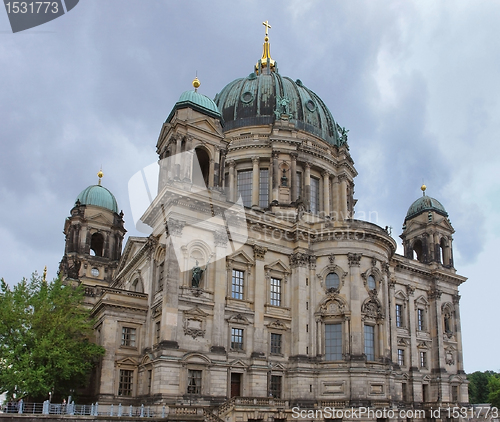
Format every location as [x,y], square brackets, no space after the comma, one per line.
[197,275]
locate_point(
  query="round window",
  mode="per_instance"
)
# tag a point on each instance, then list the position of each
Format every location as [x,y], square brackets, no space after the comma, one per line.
[95,272]
[247,97]
[332,281]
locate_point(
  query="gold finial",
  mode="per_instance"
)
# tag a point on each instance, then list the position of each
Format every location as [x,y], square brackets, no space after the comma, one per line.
[44,277]
[423,187]
[99,175]
[196,83]
[266,54]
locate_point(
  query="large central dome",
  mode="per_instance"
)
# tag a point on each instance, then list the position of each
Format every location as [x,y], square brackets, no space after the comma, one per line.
[265,96]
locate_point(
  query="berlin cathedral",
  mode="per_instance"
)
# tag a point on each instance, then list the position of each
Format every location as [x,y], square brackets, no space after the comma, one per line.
[257,290]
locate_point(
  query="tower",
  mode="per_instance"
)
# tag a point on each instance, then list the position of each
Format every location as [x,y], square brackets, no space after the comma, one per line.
[427,232]
[94,234]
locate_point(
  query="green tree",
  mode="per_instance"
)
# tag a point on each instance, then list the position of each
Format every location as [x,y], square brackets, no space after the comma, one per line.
[494,390]
[478,386]
[44,338]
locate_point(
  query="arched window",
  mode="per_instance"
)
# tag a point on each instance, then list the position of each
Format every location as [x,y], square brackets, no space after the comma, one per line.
[202,170]
[332,281]
[96,244]
[442,247]
[418,250]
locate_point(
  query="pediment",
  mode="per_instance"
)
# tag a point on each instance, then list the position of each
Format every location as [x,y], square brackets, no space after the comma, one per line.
[241,257]
[195,312]
[401,295]
[194,357]
[205,124]
[277,325]
[279,266]
[238,319]
[278,367]
[99,218]
[128,361]
[403,342]
[422,301]
[427,378]
[238,363]
[423,345]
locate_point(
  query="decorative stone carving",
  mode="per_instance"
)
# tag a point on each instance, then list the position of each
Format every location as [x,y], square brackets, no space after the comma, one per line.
[332,258]
[220,238]
[354,259]
[238,319]
[259,252]
[175,227]
[450,357]
[372,309]
[332,305]
[435,293]
[277,325]
[456,299]
[194,322]
[374,262]
[299,259]
[410,290]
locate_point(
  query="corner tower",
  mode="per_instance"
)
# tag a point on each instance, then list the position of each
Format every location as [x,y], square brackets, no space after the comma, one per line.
[427,232]
[94,234]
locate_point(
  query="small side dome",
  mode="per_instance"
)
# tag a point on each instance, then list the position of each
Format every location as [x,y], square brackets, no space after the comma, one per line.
[99,196]
[425,203]
[196,101]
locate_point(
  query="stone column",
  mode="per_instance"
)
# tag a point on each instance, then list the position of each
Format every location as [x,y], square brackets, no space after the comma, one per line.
[232,182]
[412,328]
[299,263]
[334,188]
[357,329]
[343,198]
[458,331]
[276,176]
[307,185]
[255,181]
[219,288]
[177,173]
[293,176]
[392,328]
[222,167]
[259,298]
[326,192]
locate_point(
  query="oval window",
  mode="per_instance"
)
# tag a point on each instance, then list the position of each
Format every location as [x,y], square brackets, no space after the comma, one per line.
[310,105]
[371,283]
[332,281]
[95,272]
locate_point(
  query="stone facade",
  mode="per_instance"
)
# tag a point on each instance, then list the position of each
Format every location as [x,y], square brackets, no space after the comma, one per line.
[310,307]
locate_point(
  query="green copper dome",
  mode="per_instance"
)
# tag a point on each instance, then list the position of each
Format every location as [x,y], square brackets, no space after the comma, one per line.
[261,99]
[99,196]
[196,101]
[425,203]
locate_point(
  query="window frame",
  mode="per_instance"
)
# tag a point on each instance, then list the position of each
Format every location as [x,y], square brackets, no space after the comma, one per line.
[278,350]
[314,207]
[190,376]
[263,186]
[401,357]
[276,380]
[237,332]
[247,183]
[276,296]
[126,340]
[125,379]
[240,285]
[372,345]
[336,355]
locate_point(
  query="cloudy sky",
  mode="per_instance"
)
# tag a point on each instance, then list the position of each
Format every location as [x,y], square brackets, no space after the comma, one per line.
[417,83]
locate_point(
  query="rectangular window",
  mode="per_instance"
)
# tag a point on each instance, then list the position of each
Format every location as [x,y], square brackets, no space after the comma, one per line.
[454,393]
[237,284]
[423,359]
[299,185]
[404,391]
[420,320]
[401,357]
[245,187]
[128,336]
[125,384]
[276,343]
[314,195]
[194,381]
[264,188]
[333,341]
[275,387]
[399,315]
[157,331]
[236,339]
[275,291]
[370,342]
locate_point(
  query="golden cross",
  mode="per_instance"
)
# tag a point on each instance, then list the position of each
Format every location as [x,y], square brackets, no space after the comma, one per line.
[266,24]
